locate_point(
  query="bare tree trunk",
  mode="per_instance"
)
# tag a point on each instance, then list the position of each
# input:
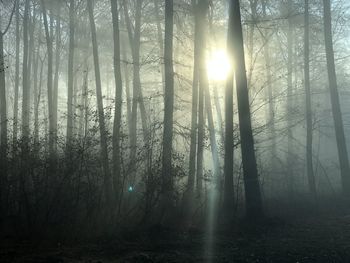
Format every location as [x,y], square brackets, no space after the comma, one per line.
[159,36]
[57,70]
[70,76]
[25,92]
[269,91]
[194,114]
[228,203]
[118,101]
[134,40]
[101,117]
[289,109]
[15,105]
[308,113]
[49,81]
[167,182]
[202,16]
[336,110]
[251,180]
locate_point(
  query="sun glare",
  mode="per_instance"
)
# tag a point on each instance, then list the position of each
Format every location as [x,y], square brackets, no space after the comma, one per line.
[218,65]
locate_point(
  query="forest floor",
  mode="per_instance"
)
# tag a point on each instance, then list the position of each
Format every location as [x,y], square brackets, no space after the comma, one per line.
[317,238]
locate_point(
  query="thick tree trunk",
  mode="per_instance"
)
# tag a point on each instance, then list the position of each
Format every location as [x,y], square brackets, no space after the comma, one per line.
[118,101]
[251,179]
[101,117]
[336,110]
[308,113]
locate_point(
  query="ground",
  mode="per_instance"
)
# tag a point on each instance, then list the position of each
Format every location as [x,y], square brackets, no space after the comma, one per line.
[313,239]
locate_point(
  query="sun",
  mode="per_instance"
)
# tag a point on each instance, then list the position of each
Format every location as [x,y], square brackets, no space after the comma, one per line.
[218,65]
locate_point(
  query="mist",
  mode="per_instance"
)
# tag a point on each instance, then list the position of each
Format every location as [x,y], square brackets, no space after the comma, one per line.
[174,131]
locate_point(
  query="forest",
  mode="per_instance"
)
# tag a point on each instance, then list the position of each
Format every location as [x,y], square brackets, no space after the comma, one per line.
[174,131]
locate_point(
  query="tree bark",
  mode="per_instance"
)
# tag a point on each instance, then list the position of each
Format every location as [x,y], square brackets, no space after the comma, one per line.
[251,180]
[336,110]
[101,117]
[167,179]
[57,70]
[15,104]
[118,101]
[308,113]
[70,76]
[49,82]
[25,92]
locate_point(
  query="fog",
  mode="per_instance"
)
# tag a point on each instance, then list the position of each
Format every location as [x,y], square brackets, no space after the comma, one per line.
[175,120]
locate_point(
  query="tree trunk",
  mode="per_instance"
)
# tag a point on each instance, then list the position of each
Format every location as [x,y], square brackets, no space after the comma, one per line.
[57,70]
[15,104]
[25,92]
[49,82]
[167,184]
[251,180]
[70,76]
[308,113]
[194,114]
[159,36]
[289,109]
[202,9]
[118,101]
[228,204]
[336,110]
[269,91]
[101,117]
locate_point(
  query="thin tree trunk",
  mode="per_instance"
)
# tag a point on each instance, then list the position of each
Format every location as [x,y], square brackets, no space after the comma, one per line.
[49,81]
[194,114]
[202,16]
[289,109]
[308,113]
[70,76]
[167,182]
[101,117]
[15,105]
[118,101]
[159,36]
[25,92]
[336,110]
[251,180]
[57,70]
[269,85]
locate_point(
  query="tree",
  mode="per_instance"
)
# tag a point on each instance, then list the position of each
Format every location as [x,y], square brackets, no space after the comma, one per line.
[201,12]
[15,103]
[333,89]
[49,79]
[308,113]
[101,117]
[118,99]
[57,69]
[70,75]
[167,184]
[25,91]
[251,179]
